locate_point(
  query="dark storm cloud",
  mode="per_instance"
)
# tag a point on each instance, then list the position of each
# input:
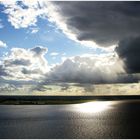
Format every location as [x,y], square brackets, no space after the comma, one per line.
[129,51]
[104,22]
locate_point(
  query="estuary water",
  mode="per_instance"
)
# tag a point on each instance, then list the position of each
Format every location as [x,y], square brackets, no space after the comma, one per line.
[97,119]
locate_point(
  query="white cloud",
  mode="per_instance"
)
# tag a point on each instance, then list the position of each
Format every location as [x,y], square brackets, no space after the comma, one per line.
[25,64]
[30,64]
[88,68]
[34,30]
[22,14]
[2,44]
[54,54]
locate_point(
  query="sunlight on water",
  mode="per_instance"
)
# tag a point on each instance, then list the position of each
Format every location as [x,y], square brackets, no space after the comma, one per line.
[94,107]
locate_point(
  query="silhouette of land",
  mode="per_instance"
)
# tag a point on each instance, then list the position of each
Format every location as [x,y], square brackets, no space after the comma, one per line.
[31,99]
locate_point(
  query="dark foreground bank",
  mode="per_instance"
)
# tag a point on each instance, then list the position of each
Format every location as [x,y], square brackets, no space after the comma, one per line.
[41,100]
[98,119]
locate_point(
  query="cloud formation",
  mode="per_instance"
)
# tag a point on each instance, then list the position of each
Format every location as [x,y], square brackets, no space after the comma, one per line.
[105,23]
[87,69]
[129,51]
[24,64]
[22,14]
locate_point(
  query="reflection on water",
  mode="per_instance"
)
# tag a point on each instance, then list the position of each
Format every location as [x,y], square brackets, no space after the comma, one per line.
[93,107]
[97,119]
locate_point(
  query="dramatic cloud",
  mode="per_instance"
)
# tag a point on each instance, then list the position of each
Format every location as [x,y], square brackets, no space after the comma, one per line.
[105,23]
[24,64]
[2,44]
[102,22]
[87,69]
[129,50]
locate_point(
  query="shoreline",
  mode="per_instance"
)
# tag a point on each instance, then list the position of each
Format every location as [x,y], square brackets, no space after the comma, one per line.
[42,100]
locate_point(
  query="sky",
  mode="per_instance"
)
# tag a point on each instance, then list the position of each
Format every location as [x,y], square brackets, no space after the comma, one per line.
[51,42]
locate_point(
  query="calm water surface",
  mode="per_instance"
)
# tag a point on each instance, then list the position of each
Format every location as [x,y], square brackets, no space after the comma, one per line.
[98,119]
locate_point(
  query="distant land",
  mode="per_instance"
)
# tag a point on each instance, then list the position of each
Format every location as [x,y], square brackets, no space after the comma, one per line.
[42,100]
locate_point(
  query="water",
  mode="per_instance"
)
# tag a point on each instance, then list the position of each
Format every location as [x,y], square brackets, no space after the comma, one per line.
[100,119]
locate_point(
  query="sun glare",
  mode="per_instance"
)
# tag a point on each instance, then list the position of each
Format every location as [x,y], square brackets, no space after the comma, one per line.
[94,107]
